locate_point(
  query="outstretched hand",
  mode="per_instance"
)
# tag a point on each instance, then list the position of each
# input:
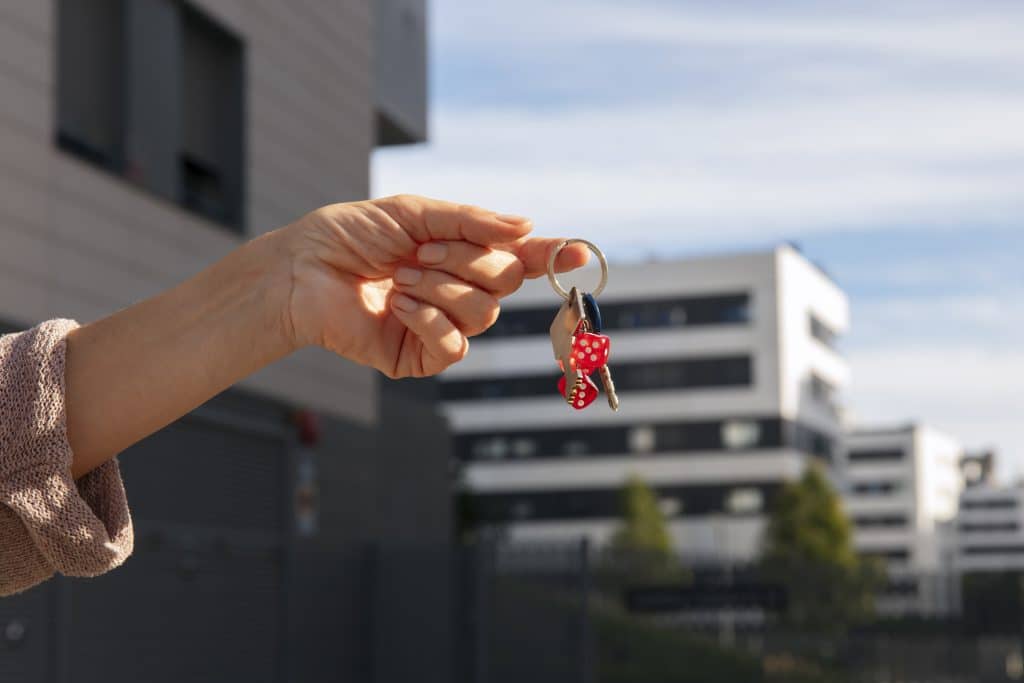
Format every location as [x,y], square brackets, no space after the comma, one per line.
[400,283]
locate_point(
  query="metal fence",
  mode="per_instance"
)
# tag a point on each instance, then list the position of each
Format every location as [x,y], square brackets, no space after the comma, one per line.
[483,613]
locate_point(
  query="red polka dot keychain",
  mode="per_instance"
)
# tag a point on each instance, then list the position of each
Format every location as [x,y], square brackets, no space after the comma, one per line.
[576,337]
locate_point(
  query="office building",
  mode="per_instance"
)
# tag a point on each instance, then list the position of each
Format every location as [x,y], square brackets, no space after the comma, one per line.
[990,529]
[900,485]
[727,371]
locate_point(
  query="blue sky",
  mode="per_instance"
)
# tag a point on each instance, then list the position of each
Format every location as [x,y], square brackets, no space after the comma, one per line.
[887,139]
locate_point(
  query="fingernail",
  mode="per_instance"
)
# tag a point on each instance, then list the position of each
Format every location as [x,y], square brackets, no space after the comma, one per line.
[404,303]
[432,253]
[512,218]
[407,276]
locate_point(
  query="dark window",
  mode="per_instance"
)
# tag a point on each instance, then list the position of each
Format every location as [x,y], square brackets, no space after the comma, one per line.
[809,440]
[989,504]
[822,332]
[871,455]
[876,488]
[880,521]
[607,503]
[725,309]
[994,549]
[632,376]
[823,392]
[736,434]
[153,91]
[211,151]
[970,527]
[894,554]
[90,88]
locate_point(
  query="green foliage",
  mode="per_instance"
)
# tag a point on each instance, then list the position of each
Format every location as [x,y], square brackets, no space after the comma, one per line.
[641,550]
[644,527]
[636,651]
[808,550]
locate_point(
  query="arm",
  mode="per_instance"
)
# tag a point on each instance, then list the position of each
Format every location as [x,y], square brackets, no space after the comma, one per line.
[397,284]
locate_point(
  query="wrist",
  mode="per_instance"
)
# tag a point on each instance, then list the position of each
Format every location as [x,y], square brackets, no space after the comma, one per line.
[268,264]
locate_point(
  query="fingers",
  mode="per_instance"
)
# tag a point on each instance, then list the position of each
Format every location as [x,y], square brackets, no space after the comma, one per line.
[533,253]
[470,308]
[432,219]
[440,338]
[495,271]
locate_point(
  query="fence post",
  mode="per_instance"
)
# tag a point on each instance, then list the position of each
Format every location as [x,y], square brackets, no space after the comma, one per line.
[483,568]
[587,664]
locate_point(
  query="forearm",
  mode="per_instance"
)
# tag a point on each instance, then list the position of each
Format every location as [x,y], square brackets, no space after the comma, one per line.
[130,374]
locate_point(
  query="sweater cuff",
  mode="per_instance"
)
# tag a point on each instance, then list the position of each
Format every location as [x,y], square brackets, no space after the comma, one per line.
[80,528]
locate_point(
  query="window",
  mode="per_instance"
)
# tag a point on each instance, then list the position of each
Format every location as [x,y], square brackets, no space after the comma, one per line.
[723,309]
[606,503]
[743,436]
[994,550]
[153,92]
[822,332]
[988,527]
[875,455]
[642,439]
[670,507]
[90,88]
[880,521]
[691,373]
[739,434]
[989,504]
[892,555]
[877,488]
[211,150]
[823,392]
[745,501]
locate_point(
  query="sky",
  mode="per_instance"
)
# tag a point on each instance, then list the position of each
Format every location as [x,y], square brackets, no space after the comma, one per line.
[886,139]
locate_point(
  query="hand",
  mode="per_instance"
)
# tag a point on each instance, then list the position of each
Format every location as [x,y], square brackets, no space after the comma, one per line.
[400,283]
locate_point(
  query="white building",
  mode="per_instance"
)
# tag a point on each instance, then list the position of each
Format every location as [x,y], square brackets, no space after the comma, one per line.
[990,529]
[900,485]
[726,370]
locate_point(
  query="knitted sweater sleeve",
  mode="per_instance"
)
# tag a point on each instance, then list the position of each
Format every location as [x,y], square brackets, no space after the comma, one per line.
[49,522]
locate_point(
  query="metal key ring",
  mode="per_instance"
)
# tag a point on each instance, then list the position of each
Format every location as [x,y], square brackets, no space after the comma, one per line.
[554,255]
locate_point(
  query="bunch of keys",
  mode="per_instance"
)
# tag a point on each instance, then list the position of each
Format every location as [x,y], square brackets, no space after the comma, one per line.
[576,338]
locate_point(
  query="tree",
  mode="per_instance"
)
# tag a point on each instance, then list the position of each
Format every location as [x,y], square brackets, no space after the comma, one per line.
[643,524]
[808,550]
[641,550]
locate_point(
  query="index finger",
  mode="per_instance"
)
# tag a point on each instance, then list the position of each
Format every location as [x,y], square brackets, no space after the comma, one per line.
[427,220]
[533,252]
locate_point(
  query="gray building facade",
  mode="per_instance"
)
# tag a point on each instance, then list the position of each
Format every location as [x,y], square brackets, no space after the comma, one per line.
[141,140]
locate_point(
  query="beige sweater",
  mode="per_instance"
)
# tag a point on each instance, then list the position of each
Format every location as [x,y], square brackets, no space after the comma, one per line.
[48,521]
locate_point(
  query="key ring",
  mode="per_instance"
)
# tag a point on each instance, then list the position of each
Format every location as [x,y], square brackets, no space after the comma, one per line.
[557,286]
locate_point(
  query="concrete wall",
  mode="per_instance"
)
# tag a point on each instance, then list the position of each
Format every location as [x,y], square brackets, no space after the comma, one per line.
[78,242]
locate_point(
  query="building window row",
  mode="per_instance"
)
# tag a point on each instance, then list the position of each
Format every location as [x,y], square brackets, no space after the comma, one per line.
[989,504]
[993,550]
[682,501]
[889,554]
[988,527]
[693,373]
[154,92]
[738,434]
[875,455]
[880,521]
[876,488]
[691,311]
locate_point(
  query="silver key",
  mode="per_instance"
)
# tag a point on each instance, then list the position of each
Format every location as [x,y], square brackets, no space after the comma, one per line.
[563,329]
